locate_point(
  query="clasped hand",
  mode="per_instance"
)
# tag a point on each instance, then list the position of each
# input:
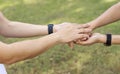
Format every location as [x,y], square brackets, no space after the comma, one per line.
[91,38]
[85,36]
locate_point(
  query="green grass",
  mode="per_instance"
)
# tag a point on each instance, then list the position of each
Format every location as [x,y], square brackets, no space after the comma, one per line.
[95,59]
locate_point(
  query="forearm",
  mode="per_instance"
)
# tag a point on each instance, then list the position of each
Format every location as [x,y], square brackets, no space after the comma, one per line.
[110,16]
[28,49]
[115,39]
[18,29]
[31,48]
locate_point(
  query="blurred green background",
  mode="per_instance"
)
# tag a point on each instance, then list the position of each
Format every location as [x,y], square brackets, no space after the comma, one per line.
[95,59]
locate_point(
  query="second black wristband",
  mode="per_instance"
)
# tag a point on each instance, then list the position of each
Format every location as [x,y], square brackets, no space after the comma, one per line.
[109,40]
[50,28]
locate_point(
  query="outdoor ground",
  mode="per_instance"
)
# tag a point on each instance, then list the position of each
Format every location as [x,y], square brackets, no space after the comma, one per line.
[95,59]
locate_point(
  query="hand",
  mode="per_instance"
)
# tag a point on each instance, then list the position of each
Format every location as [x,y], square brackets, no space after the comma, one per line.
[63,25]
[89,26]
[95,38]
[72,32]
[60,26]
[71,44]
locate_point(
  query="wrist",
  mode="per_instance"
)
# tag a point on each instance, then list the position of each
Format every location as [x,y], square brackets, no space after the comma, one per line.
[55,28]
[93,25]
[56,37]
[108,40]
[50,28]
[102,38]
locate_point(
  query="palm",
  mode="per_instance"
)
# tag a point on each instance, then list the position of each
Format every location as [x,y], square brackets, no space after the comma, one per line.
[93,39]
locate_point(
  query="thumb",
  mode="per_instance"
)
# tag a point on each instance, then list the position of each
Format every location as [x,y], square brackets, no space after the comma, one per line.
[85,26]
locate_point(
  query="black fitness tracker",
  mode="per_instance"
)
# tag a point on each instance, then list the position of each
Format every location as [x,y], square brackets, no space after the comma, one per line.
[108,40]
[50,28]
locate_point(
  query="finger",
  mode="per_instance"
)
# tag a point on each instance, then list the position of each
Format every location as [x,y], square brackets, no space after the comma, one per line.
[78,41]
[84,26]
[71,45]
[83,36]
[84,43]
[84,39]
[90,34]
[85,30]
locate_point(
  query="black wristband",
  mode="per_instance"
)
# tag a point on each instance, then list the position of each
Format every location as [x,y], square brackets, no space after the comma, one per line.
[108,40]
[50,28]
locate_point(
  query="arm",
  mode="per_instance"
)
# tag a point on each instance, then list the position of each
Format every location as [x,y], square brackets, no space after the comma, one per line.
[18,29]
[99,38]
[11,53]
[110,16]
[115,39]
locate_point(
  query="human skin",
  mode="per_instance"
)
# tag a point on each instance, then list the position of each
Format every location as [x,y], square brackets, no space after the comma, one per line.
[17,51]
[109,16]
[100,38]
